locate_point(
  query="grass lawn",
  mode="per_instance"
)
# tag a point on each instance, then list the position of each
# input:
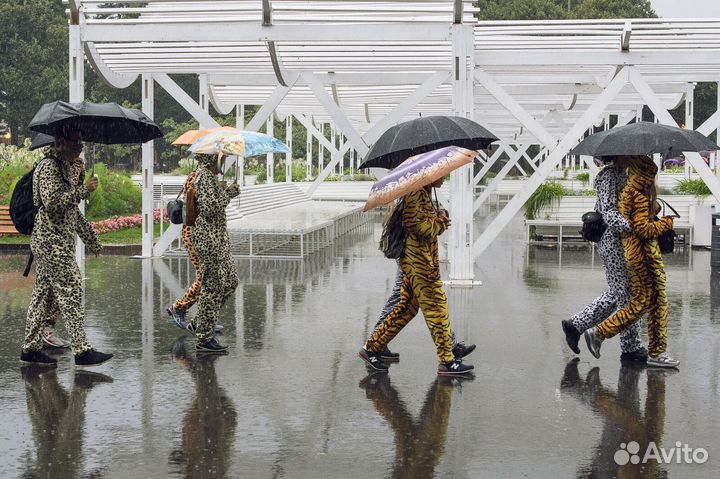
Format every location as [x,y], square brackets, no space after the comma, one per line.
[128,236]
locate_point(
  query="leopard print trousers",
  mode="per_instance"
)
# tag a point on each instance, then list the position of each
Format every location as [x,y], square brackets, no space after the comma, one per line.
[192,294]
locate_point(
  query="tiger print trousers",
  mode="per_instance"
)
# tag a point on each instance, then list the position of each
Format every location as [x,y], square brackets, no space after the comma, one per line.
[394,299]
[618,294]
[647,286]
[418,292]
[192,294]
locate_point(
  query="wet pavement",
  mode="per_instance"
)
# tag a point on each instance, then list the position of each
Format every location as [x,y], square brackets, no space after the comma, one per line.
[292,399]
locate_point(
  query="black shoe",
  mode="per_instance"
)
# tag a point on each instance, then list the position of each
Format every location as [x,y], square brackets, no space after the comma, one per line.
[460,350]
[91,358]
[389,355]
[572,335]
[454,368]
[38,357]
[638,356]
[87,379]
[212,346]
[373,360]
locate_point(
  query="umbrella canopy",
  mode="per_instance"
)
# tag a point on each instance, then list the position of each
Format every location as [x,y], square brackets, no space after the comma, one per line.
[643,138]
[40,140]
[425,134]
[191,136]
[107,123]
[417,172]
[237,142]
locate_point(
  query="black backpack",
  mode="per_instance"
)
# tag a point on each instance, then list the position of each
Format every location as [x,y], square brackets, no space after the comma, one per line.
[392,240]
[22,207]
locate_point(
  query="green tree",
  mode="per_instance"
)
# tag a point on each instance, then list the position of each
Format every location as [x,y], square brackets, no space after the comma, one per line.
[520,10]
[34,52]
[613,9]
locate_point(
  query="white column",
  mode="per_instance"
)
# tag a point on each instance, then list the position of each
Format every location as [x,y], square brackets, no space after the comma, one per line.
[321,149]
[147,170]
[717,132]
[689,117]
[288,142]
[240,124]
[270,167]
[308,155]
[77,94]
[461,191]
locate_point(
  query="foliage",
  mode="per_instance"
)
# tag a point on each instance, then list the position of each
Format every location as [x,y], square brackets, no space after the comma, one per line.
[695,187]
[583,178]
[119,223]
[116,194]
[563,9]
[14,163]
[546,194]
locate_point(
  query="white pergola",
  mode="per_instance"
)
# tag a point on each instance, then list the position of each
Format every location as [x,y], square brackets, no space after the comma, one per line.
[362,66]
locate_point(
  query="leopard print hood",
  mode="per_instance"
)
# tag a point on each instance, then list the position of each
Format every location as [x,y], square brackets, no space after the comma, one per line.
[208,161]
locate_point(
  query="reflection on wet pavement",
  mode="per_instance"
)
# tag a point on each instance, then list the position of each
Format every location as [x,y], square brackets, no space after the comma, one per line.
[291,399]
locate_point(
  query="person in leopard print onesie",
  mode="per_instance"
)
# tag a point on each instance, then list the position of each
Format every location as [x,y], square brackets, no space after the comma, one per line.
[212,243]
[58,278]
[609,183]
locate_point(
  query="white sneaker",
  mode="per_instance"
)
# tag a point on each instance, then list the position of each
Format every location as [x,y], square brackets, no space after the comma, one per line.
[663,360]
[51,339]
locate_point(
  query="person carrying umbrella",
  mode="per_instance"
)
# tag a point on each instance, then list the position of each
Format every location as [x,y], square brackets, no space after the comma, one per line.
[422,286]
[645,265]
[609,183]
[210,239]
[57,194]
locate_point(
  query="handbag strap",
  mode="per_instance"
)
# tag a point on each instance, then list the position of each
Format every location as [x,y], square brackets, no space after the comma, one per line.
[665,203]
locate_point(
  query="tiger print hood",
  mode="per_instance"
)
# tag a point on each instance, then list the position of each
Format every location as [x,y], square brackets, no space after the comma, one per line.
[642,172]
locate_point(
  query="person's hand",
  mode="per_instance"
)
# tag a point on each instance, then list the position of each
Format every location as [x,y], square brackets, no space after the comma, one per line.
[92,183]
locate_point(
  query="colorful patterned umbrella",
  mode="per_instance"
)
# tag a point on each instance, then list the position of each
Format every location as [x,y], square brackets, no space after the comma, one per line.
[417,172]
[191,136]
[237,142]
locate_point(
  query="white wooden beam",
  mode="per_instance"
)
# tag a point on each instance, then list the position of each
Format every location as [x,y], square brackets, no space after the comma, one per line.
[551,162]
[666,119]
[271,104]
[490,189]
[184,100]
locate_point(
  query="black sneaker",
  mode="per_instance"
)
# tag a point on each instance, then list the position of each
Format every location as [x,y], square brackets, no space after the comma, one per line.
[389,355]
[454,368]
[38,357]
[212,346]
[572,335]
[373,360]
[91,358]
[638,356]
[460,350]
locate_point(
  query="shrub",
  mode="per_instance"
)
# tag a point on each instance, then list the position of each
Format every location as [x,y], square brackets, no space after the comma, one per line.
[545,195]
[583,178]
[692,187]
[116,194]
[14,163]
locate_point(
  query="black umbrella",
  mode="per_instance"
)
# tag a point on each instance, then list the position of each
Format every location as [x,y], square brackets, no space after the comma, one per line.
[107,123]
[643,138]
[417,136]
[40,140]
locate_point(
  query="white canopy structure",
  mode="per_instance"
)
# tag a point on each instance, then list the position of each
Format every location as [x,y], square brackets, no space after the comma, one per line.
[364,65]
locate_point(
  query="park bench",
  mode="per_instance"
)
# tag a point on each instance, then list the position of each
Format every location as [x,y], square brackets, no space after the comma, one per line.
[6,225]
[562,219]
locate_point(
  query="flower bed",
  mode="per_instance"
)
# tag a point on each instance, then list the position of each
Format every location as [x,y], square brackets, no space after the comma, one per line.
[119,223]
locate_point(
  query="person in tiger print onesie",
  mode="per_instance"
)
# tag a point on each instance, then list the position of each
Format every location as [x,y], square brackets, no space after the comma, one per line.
[645,265]
[210,239]
[58,278]
[609,184]
[422,286]
[178,310]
